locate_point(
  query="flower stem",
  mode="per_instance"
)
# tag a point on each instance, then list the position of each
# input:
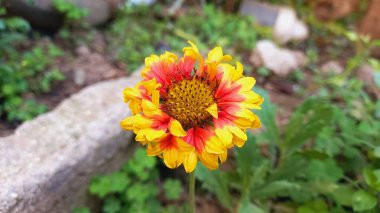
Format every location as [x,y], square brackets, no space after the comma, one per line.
[192,192]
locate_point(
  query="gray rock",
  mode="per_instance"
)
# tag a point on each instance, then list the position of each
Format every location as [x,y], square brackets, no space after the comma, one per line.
[45,166]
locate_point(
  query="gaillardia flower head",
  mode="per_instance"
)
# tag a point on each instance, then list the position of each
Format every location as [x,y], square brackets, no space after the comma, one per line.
[192,109]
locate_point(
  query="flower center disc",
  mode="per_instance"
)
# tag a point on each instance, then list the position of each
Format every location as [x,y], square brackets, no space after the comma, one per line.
[188,100]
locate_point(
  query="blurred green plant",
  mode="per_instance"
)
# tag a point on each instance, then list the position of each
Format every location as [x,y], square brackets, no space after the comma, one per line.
[72,13]
[316,164]
[208,27]
[74,21]
[135,188]
[24,72]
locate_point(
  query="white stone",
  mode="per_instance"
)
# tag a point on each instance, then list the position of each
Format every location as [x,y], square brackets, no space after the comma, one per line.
[280,61]
[332,67]
[289,27]
[46,165]
[79,77]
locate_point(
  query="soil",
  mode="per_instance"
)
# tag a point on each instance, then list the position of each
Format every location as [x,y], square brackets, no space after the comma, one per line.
[369,24]
[329,10]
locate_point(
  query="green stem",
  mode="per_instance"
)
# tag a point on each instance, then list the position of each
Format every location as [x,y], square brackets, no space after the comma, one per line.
[192,192]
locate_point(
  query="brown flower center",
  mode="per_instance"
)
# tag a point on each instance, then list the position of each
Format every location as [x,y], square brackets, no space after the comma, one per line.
[188,100]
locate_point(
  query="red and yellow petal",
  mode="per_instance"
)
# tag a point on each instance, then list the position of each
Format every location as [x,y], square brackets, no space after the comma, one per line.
[198,137]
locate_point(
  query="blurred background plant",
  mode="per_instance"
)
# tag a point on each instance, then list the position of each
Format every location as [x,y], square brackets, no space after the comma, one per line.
[135,188]
[28,71]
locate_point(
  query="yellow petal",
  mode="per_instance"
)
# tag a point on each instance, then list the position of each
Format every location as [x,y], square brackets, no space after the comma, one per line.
[148,105]
[250,106]
[176,129]
[135,106]
[183,146]
[127,123]
[153,134]
[238,72]
[153,150]
[223,156]
[151,59]
[213,110]
[190,162]
[192,51]
[141,122]
[150,85]
[169,57]
[150,108]
[209,160]
[238,132]
[215,146]
[224,135]
[156,98]
[216,56]
[171,158]
[245,113]
[238,142]
[256,122]
[243,123]
[140,136]
[246,83]
[130,93]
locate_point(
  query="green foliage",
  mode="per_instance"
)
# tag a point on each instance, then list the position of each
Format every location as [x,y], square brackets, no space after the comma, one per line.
[362,201]
[135,187]
[113,183]
[24,72]
[310,164]
[81,210]
[207,28]
[213,27]
[71,12]
[173,189]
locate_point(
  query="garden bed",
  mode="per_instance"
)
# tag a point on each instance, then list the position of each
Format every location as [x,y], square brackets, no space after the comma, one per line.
[317,151]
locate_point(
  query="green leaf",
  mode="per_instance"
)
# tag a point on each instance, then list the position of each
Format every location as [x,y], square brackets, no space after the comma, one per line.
[268,118]
[81,210]
[323,170]
[343,195]
[247,207]
[376,152]
[112,205]
[313,154]
[317,206]
[173,189]
[141,165]
[217,183]
[141,192]
[291,167]
[102,186]
[281,187]
[362,201]
[372,178]
[305,123]
[17,24]
[377,78]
